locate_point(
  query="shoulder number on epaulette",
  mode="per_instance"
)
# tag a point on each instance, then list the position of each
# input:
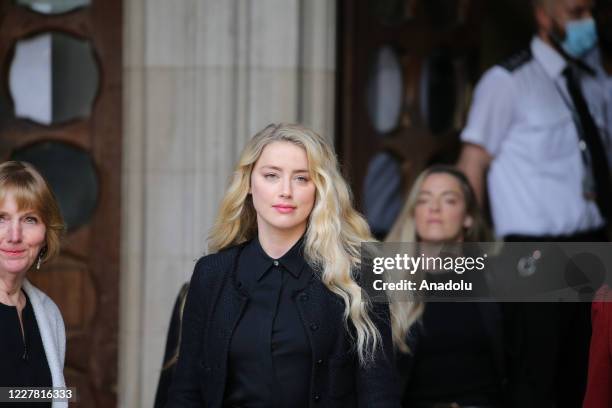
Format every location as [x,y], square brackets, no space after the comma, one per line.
[516,60]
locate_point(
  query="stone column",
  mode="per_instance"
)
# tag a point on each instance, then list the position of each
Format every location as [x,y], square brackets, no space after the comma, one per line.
[200,77]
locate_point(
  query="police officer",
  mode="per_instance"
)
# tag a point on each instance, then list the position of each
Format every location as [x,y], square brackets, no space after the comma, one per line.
[537,134]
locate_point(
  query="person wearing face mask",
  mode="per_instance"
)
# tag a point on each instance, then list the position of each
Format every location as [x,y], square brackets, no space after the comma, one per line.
[537,135]
[469,369]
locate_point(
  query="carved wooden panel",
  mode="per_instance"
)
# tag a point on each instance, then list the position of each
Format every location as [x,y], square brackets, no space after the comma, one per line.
[436,43]
[442,47]
[84,280]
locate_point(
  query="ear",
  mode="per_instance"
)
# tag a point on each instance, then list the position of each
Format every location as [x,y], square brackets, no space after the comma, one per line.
[42,252]
[468,222]
[543,19]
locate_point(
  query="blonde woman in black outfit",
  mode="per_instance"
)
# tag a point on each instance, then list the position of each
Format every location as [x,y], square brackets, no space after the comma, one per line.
[454,354]
[275,317]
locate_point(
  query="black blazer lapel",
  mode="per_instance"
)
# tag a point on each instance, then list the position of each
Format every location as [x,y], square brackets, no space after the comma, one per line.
[224,315]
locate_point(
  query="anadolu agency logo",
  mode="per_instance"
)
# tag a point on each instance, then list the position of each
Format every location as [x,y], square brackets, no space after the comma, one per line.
[404,272]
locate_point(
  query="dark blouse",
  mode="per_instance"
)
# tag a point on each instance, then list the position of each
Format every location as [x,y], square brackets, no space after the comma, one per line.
[22,364]
[454,361]
[270,357]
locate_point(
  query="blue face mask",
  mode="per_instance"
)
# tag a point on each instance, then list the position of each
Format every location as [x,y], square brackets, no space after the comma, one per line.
[580,37]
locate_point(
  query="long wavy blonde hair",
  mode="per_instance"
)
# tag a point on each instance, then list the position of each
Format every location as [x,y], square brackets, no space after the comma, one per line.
[334,232]
[406,313]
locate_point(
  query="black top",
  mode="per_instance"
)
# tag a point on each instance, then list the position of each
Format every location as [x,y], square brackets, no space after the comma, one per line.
[22,364]
[215,304]
[269,358]
[454,362]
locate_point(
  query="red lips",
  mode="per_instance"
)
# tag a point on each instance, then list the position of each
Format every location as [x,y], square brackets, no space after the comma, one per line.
[13,252]
[284,208]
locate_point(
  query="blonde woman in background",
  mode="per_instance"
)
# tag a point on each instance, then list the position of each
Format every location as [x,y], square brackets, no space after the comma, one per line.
[33,338]
[451,354]
[275,317]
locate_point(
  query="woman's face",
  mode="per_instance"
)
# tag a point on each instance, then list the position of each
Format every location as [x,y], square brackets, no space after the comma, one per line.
[440,213]
[22,235]
[283,193]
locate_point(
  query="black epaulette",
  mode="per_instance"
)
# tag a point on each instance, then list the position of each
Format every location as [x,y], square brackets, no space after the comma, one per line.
[516,60]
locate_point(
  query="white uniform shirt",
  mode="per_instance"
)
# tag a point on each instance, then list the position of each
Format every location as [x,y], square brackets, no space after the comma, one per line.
[519,116]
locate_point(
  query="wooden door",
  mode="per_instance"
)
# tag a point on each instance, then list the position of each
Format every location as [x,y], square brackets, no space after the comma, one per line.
[78,149]
[430,53]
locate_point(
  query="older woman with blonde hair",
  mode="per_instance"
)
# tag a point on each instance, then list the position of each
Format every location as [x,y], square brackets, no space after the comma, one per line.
[451,354]
[33,341]
[275,316]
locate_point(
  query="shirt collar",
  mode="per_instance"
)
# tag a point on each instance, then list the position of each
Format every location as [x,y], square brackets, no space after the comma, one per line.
[293,260]
[551,60]
[555,63]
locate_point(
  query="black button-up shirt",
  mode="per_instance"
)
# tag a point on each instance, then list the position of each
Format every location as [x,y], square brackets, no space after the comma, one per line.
[270,356]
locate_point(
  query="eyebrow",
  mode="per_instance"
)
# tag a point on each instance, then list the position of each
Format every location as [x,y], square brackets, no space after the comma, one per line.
[443,193]
[22,213]
[279,169]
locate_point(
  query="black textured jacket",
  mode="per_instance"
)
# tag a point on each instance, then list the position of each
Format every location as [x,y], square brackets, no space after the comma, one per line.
[214,306]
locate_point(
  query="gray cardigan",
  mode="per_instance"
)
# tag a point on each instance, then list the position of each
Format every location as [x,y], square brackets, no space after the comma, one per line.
[52,332]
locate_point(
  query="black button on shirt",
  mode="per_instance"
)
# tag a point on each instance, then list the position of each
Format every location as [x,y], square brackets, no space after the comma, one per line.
[22,364]
[270,358]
